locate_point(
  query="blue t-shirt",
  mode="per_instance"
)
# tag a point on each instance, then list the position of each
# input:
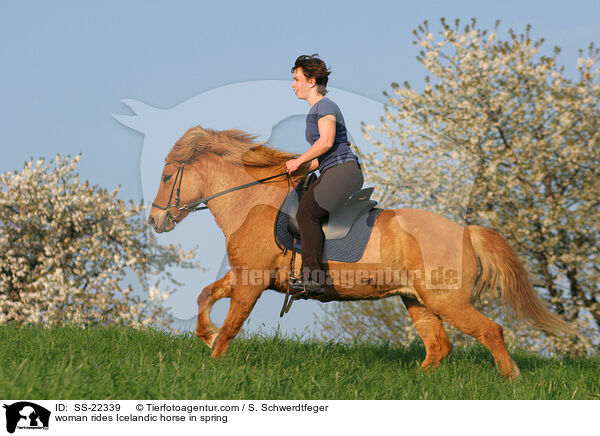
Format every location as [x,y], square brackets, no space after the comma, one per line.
[340,150]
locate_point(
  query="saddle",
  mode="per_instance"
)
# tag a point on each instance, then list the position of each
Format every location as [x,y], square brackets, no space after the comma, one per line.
[346,231]
[340,220]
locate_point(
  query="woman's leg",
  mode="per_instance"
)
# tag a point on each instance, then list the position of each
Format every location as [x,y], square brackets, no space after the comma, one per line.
[310,216]
[338,183]
[330,190]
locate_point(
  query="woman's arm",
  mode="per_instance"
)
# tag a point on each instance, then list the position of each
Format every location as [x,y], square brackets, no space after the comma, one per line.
[325,142]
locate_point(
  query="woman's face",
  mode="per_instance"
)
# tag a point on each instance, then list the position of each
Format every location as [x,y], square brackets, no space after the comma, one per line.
[301,85]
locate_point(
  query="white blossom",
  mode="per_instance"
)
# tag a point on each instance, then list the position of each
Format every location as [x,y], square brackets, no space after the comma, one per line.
[65,248]
[500,137]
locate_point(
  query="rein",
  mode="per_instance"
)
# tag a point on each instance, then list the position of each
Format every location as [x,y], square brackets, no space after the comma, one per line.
[195,206]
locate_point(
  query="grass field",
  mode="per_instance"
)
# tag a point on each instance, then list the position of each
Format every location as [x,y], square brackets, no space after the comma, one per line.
[119,363]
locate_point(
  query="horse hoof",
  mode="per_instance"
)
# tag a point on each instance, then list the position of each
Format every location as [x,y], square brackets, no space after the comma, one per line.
[212,343]
[514,375]
[210,339]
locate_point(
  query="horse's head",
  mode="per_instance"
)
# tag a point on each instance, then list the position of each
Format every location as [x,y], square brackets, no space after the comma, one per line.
[179,185]
[201,160]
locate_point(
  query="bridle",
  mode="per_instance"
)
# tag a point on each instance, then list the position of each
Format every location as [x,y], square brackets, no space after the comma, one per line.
[195,206]
[178,175]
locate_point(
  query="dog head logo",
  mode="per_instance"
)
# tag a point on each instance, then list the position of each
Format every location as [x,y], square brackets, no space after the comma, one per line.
[26,415]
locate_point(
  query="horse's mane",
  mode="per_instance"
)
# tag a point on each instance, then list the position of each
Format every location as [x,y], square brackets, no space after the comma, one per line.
[235,146]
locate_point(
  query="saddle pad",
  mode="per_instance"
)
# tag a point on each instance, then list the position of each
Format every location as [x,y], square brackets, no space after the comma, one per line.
[348,249]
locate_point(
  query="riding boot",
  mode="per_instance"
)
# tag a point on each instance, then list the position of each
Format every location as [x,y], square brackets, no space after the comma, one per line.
[311,282]
[310,286]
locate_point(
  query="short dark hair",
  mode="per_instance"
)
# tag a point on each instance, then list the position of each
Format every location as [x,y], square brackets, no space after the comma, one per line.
[312,66]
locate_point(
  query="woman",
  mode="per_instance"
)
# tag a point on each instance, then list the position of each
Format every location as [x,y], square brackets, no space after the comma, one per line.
[340,173]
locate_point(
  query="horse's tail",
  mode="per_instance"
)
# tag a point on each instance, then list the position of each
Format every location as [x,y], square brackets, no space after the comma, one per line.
[501,266]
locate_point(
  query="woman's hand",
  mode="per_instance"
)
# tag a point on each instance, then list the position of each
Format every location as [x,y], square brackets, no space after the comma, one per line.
[314,165]
[292,165]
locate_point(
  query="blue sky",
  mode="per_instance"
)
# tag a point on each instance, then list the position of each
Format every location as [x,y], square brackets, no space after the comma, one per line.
[66,65]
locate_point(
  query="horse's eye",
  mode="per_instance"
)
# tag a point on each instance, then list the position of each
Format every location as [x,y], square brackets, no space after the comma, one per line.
[166,178]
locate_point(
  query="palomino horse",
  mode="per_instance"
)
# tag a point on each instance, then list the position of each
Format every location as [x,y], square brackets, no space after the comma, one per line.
[405,244]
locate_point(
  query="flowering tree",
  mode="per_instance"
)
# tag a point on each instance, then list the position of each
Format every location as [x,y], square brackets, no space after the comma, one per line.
[500,137]
[66,246]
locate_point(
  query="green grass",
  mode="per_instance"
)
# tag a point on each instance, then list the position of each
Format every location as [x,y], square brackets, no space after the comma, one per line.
[120,363]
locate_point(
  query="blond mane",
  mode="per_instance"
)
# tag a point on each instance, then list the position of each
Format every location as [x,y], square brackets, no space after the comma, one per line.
[234,146]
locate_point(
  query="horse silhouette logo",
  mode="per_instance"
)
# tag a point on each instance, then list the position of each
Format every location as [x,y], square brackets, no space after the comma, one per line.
[233,106]
[26,415]
[260,107]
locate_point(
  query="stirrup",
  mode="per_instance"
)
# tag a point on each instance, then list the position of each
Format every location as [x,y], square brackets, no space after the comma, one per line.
[291,296]
[303,287]
[287,303]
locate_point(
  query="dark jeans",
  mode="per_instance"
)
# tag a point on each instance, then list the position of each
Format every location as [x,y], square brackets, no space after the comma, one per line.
[330,190]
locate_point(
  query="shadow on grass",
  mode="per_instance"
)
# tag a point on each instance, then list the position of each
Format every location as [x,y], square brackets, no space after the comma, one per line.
[531,362]
[363,353]
[410,355]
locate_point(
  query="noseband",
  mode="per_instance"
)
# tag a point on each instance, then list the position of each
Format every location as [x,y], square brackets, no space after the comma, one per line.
[194,206]
[178,175]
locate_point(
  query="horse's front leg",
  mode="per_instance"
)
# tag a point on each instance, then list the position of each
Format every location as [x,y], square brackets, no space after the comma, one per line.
[243,298]
[205,329]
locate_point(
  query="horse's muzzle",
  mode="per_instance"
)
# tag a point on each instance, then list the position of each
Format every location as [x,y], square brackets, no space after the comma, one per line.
[160,224]
[152,223]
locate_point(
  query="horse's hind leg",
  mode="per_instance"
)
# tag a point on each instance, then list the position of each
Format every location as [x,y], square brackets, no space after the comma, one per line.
[431,330]
[205,329]
[473,323]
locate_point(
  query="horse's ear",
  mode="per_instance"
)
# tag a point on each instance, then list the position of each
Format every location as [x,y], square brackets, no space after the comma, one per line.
[144,115]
